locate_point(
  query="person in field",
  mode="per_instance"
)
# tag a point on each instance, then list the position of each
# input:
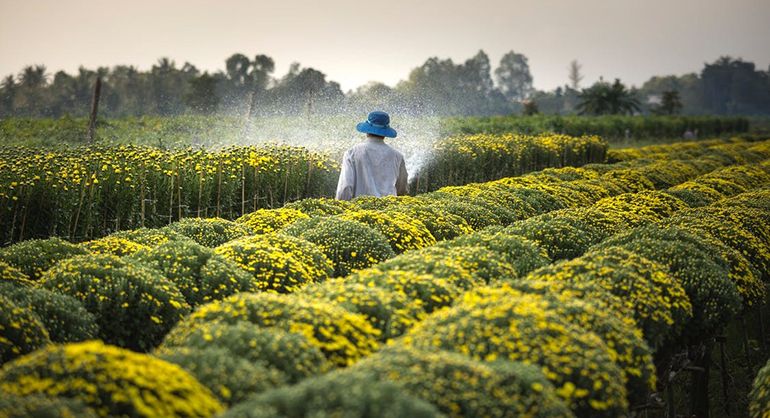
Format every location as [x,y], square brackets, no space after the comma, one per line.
[373,168]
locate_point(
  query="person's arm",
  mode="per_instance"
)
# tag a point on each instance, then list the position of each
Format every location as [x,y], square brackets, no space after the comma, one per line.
[401,182]
[346,186]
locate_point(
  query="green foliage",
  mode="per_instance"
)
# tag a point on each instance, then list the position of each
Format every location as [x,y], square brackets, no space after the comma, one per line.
[342,336]
[290,354]
[476,215]
[264,221]
[64,317]
[230,378]
[403,233]
[40,406]
[273,268]
[134,306]
[759,398]
[151,237]
[391,312]
[522,254]
[202,95]
[439,264]
[442,224]
[713,295]
[559,238]
[349,245]
[462,387]
[21,331]
[320,206]
[12,275]
[336,394]
[611,127]
[211,232]
[111,380]
[431,292]
[490,324]
[34,257]
[112,245]
[199,273]
[657,301]
[319,267]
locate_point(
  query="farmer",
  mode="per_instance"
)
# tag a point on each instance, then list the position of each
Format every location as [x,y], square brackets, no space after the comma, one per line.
[372,168]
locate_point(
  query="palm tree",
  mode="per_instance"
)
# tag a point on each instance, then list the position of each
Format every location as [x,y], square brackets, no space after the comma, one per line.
[33,76]
[605,99]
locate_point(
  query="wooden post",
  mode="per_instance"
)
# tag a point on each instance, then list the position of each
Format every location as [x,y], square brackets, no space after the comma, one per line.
[94,110]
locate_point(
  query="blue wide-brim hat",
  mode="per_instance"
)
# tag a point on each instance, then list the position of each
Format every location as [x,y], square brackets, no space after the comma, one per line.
[377,123]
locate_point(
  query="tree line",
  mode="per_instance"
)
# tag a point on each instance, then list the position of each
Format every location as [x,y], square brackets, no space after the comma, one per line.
[438,87]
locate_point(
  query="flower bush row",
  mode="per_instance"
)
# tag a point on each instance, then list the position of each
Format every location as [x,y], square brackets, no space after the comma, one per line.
[343,322]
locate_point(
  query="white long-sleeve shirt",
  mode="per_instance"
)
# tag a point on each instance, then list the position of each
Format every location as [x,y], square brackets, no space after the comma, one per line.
[372,168]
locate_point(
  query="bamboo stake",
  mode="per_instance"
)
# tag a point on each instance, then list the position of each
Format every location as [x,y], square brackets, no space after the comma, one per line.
[179,193]
[200,191]
[219,188]
[171,197]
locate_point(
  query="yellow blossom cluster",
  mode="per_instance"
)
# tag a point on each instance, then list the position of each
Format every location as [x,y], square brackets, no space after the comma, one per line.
[112,381]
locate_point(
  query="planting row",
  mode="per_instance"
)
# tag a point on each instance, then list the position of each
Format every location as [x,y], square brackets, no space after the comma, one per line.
[85,193]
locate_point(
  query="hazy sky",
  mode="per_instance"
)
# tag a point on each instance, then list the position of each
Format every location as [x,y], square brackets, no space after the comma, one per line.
[357,41]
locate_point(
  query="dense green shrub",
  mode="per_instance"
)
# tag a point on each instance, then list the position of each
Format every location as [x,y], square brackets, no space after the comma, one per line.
[559,238]
[199,273]
[432,293]
[759,397]
[40,406]
[151,237]
[659,303]
[111,380]
[623,340]
[21,331]
[462,387]
[489,325]
[211,232]
[435,263]
[349,245]
[389,311]
[337,394]
[231,379]
[112,245]
[713,295]
[477,260]
[402,232]
[317,264]
[478,216]
[134,306]
[12,275]
[288,353]
[33,257]
[725,225]
[441,224]
[63,316]
[320,206]
[522,254]
[342,336]
[265,221]
[272,269]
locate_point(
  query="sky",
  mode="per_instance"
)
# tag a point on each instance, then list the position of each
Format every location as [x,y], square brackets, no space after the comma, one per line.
[355,42]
